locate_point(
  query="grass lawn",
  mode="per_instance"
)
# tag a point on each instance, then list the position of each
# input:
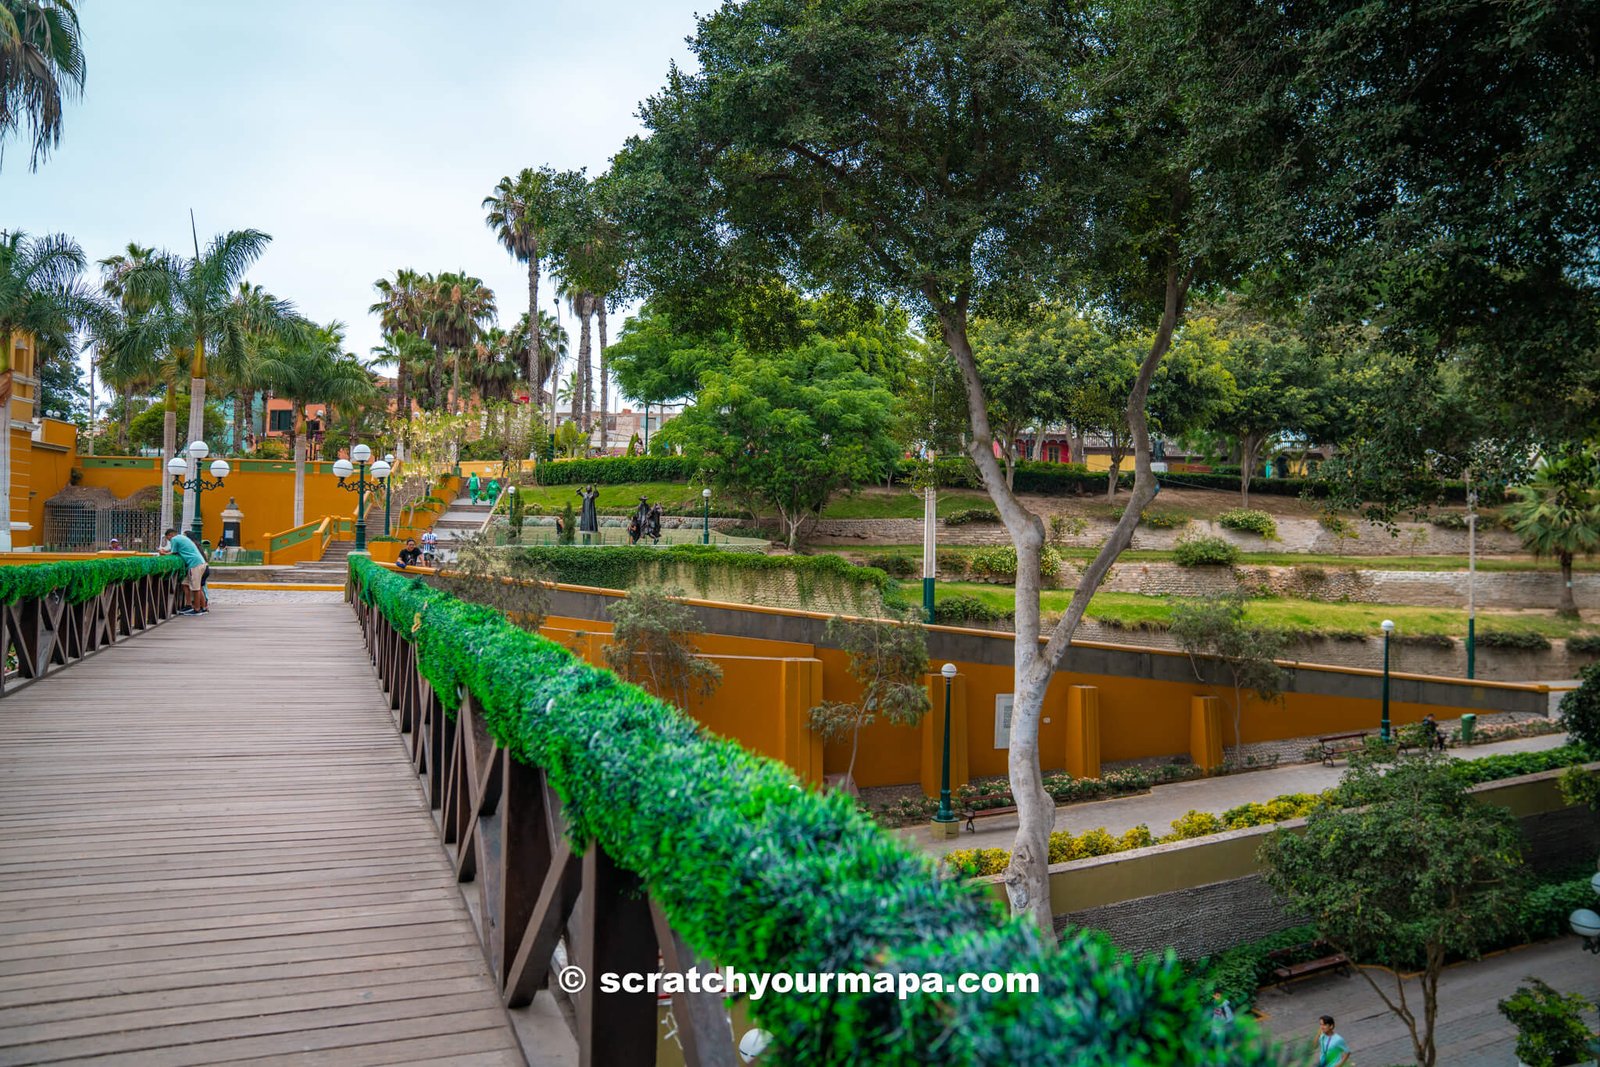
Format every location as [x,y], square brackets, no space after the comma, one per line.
[1133,611]
[901,504]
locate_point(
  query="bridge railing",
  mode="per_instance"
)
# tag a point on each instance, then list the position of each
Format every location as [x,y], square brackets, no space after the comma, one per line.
[54,614]
[594,816]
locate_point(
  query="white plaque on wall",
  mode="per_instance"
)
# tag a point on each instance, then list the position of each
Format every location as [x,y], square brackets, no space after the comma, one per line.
[1002,720]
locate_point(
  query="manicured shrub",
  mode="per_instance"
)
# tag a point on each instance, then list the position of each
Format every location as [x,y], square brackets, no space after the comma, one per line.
[1249,520]
[999,564]
[1205,552]
[616,470]
[1580,709]
[952,564]
[955,610]
[1157,518]
[1584,644]
[80,580]
[894,564]
[1194,824]
[967,516]
[1522,640]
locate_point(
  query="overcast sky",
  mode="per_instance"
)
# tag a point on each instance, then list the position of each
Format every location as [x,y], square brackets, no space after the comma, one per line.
[361,134]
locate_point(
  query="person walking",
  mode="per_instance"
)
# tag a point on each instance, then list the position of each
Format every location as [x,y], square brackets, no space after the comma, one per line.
[494,490]
[1221,1017]
[181,546]
[1331,1049]
[473,486]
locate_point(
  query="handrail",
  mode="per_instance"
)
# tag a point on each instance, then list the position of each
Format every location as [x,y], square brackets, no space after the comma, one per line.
[569,781]
[54,614]
[295,534]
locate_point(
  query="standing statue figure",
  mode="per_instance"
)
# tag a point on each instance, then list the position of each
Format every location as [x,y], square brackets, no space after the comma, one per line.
[653,526]
[589,521]
[641,514]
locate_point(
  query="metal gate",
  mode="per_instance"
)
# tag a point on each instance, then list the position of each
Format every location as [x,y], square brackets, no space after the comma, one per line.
[80,528]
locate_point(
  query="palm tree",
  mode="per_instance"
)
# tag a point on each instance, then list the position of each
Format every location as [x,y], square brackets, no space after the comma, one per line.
[590,258]
[126,366]
[196,305]
[314,370]
[521,212]
[402,309]
[41,61]
[1557,514]
[255,320]
[40,296]
[460,306]
[410,355]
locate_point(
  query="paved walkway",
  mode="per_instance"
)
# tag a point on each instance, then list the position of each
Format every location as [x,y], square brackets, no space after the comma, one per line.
[1470,1032]
[1157,808]
[213,849]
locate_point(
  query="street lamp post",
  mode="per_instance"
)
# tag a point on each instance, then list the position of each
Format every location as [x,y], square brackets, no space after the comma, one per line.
[705,516]
[1388,629]
[342,469]
[178,467]
[1585,923]
[945,815]
[387,492]
[930,555]
[1472,574]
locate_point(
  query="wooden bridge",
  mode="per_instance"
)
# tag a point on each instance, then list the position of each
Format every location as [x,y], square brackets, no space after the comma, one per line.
[214,848]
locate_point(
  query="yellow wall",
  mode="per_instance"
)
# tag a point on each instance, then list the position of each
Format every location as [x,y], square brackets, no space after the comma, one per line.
[1114,717]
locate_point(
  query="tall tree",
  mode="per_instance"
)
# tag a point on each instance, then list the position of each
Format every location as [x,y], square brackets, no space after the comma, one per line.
[401,308]
[41,63]
[961,156]
[521,212]
[129,358]
[459,307]
[590,255]
[313,368]
[197,310]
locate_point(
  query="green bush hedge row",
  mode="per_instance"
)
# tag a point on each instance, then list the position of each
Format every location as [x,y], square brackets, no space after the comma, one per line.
[618,470]
[759,873]
[1205,551]
[80,579]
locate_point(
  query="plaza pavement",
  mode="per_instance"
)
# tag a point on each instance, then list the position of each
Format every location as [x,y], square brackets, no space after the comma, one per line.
[1157,808]
[1470,1032]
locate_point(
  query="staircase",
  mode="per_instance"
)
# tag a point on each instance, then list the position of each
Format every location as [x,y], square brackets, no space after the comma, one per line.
[331,569]
[462,520]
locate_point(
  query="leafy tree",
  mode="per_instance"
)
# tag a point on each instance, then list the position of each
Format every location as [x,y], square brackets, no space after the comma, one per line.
[1406,871]
[889,657]
[1215,627]
[965,157]
[656,363]
[788,431]
[402,310]
[147,427]
[1557,513]
[571,441]
[41,61]
[652,645]
[62,394]
[126,367]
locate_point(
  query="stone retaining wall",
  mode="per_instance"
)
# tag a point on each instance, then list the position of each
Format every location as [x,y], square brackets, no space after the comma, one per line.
[1294,535]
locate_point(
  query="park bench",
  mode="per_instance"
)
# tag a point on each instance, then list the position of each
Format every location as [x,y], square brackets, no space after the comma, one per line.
[1328,960]
[1336,745]
[982,813]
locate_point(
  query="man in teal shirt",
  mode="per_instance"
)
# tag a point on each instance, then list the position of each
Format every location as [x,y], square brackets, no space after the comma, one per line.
[180,546]
[1331,1049]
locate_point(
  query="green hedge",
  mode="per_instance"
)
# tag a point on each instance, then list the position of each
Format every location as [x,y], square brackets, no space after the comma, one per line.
[617,470]
[81,579]
[760,874]
[624,567]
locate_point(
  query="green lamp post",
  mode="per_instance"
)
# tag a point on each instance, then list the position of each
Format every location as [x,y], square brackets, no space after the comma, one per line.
[945,815]
[342,469]
[705,516]
[178,467]
[1388,629]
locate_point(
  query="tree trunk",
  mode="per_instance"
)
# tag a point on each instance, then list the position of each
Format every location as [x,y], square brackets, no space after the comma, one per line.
[1027,880]
[535,340]
[299,434]
[126,430]
[1569,606]
[169,447]
[600,323]
[91,403]
[5,439]
[583,401]
[1249,449]
[241,413]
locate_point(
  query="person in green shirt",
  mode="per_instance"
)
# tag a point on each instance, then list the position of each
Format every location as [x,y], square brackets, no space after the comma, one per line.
[1331,1049]
[472,487]
[182,547]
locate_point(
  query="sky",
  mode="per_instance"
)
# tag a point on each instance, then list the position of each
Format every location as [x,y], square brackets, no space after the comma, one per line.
[362,135]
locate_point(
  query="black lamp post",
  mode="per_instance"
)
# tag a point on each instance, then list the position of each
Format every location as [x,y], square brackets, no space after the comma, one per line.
[343,469]
[705,516]
[178,467]
[1388,628]
[387,493]
[945,815]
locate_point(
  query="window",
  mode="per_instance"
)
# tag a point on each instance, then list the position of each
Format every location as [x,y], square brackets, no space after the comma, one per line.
[282,422]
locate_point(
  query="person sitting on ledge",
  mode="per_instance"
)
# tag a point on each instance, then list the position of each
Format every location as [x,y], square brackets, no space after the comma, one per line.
[410,555]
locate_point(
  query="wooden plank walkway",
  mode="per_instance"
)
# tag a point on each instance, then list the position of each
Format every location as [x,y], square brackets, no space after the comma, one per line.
[214,850]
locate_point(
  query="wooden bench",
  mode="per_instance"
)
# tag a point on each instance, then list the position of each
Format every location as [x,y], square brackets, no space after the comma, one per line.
[982,813]
[1330,960]
[1335,745]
